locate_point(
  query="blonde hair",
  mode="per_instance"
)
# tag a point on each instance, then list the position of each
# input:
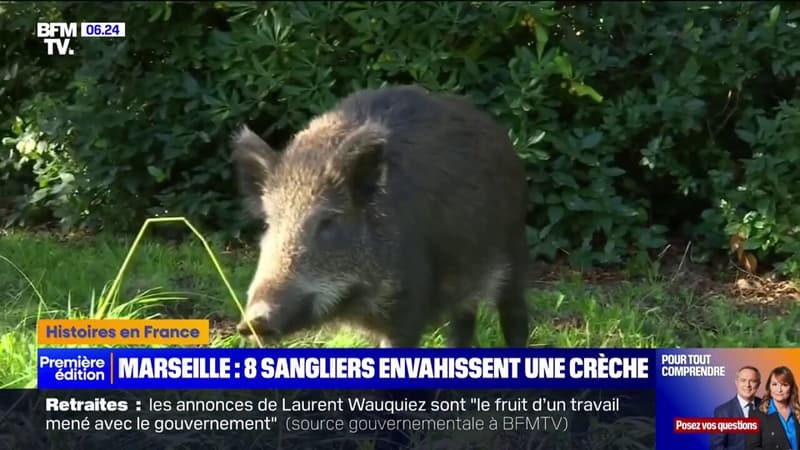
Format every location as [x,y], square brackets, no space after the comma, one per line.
[794,399]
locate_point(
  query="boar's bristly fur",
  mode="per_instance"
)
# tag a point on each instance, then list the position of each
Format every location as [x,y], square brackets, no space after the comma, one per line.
[396,209]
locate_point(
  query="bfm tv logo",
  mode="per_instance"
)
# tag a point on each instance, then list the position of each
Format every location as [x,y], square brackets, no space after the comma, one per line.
[57,36]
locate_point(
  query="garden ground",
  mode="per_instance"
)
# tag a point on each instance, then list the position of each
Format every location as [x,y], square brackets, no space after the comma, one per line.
[663,302]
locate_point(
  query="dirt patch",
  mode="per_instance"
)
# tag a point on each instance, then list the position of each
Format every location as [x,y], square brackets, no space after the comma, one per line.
[567,322]
[764,293]
[222,328]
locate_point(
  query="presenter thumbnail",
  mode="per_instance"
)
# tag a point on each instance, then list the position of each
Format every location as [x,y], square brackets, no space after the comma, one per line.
[779,414]
[747,381]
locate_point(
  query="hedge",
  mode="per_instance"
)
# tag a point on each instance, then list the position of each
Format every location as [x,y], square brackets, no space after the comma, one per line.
[640,122]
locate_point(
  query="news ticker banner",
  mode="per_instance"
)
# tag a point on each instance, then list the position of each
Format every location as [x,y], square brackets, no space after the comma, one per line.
[204,368]
[329,418]
[686,385]
[249,368]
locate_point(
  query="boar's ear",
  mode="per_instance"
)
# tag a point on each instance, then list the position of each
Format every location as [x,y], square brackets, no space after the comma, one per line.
[253,159]
[360,160]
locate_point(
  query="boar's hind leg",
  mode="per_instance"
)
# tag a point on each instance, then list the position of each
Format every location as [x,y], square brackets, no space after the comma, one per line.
[513,310]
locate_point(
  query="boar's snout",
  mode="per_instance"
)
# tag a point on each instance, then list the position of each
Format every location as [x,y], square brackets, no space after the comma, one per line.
[261,327]
[276,314]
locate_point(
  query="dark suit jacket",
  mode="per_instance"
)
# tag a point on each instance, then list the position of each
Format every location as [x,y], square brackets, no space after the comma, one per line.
[730,441]
[772,435]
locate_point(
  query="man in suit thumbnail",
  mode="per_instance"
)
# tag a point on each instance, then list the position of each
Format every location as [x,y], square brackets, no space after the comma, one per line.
[747,381]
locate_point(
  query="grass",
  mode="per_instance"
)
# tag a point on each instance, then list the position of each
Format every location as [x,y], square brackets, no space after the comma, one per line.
[42,276]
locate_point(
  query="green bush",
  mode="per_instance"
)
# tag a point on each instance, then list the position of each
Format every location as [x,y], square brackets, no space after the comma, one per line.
[762,206]
[639,122]
[35,174]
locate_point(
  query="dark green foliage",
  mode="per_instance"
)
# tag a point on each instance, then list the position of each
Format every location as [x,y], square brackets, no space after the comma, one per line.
[639,121]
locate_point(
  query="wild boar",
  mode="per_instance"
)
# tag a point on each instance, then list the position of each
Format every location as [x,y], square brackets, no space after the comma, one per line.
[393,211]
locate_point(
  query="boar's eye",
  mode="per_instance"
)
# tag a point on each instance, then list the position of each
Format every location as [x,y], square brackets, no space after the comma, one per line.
[327,227]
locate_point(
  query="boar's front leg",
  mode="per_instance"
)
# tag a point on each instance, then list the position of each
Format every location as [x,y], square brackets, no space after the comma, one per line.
[407,323]
[411,308]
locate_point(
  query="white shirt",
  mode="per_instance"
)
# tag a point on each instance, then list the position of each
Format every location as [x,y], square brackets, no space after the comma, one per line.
[743,404]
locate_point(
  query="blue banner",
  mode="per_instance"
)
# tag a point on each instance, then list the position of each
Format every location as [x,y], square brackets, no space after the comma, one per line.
[686,398]
[203,368]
